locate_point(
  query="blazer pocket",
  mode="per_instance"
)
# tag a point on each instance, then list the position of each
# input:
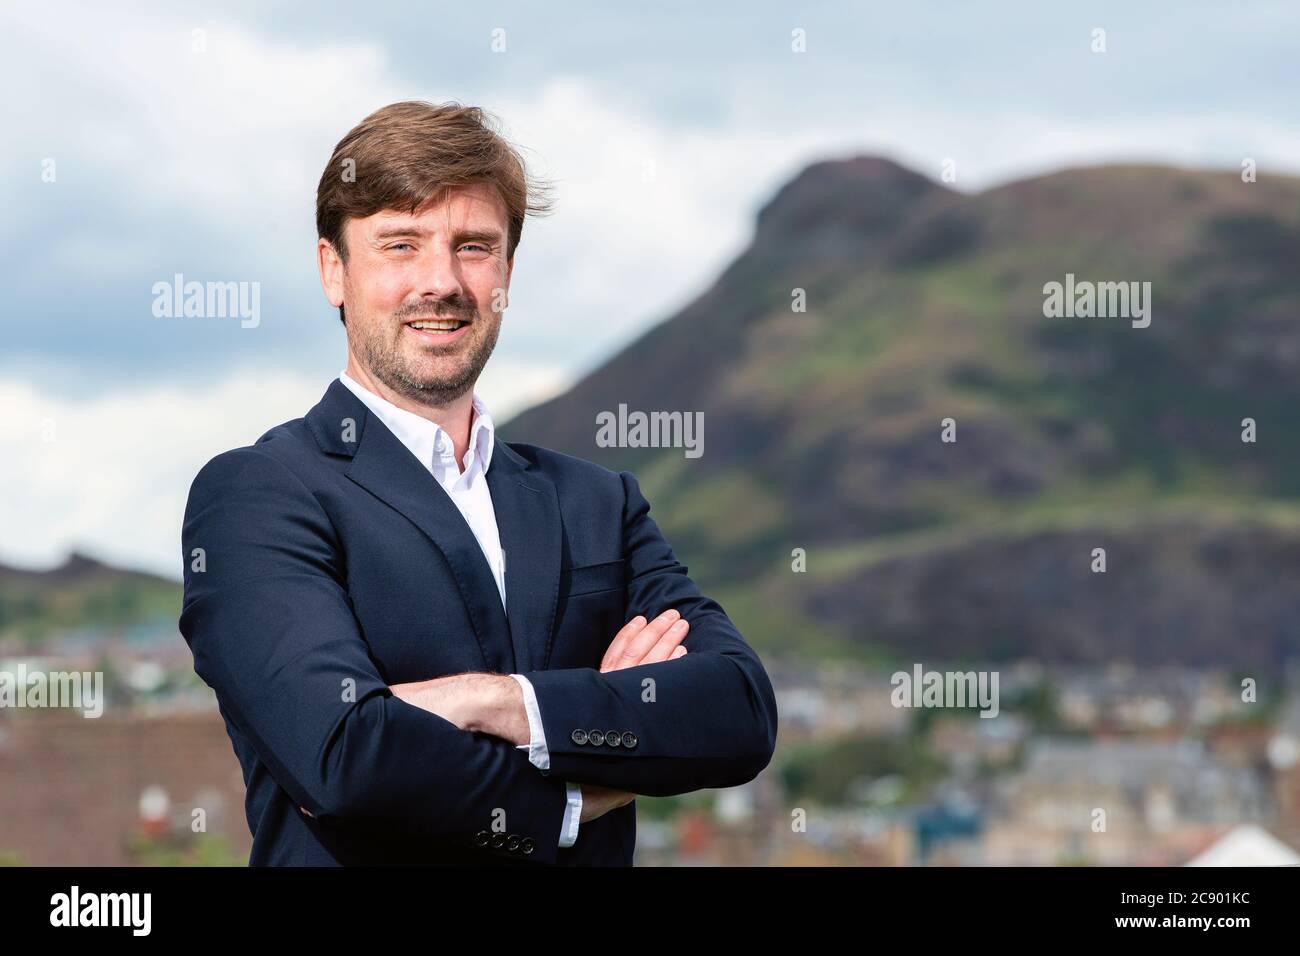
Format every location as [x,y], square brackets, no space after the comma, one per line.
[590,578]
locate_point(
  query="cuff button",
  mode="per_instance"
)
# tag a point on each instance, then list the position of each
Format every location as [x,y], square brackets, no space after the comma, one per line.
[579,737]
[611,738]
[527,845]
[629,740]
[482,837]
[596,737]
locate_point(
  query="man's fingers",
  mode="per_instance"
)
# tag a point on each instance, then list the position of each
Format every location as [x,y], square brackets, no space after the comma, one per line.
[616,646]
[667,645]
[640,643]
[623,650]
[680,652]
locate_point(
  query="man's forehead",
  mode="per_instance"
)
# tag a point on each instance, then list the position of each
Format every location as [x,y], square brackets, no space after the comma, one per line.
[464,207]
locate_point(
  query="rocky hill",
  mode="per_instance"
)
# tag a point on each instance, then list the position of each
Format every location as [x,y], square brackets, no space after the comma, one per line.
[823,427]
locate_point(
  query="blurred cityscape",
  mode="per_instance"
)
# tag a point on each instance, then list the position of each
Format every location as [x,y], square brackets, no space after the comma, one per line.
[1080,766]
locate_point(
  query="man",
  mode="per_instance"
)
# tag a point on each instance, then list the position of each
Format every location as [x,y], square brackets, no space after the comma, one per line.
[430,645]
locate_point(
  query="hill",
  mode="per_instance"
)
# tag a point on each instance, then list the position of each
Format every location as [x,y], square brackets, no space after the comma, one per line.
[83,593]
[823,428]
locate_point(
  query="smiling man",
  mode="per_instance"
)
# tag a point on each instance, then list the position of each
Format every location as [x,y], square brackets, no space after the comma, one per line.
[430,645]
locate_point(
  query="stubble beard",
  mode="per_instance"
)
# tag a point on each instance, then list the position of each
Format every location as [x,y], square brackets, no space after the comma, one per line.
[384,358]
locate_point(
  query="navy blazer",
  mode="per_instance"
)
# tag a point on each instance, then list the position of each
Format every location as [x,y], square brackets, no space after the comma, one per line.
[324,563]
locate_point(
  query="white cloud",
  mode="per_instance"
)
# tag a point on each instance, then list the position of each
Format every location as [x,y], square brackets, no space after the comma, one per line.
[228,138]
[115,477]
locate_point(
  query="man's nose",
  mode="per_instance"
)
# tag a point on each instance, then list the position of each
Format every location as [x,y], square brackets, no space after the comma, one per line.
[439,274]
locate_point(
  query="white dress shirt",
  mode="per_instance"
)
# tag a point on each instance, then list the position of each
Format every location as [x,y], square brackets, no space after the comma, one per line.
[468,489]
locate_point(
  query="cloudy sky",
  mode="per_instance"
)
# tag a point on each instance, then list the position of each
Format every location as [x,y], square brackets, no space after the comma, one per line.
[155,139]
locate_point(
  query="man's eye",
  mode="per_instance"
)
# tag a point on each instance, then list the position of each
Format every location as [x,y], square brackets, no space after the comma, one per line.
[399,245]
[476,247]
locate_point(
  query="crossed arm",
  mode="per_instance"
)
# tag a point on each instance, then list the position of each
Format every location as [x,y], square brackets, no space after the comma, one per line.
[494,703]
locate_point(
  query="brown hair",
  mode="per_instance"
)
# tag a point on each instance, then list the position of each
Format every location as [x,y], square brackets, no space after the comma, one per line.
[407,154]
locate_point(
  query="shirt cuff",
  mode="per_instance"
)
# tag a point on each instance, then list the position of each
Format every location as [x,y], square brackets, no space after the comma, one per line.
[540,758]
[572,816]
[538,755]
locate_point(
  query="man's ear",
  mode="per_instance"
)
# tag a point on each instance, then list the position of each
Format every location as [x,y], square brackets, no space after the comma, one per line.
[331,271]
[510,267]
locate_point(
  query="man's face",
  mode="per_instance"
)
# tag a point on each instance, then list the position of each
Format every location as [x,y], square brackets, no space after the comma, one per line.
[407,274]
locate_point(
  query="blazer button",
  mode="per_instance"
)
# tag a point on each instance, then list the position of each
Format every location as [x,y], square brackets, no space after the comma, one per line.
[629,740]
[611,738]
[498,840]
[596,737]
[512,844]
[527,845]
[482,837]
[579,737]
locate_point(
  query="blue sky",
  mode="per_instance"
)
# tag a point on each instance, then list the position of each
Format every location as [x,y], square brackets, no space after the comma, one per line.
[664,128]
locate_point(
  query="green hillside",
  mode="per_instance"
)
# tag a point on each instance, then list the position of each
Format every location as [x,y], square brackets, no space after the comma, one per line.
[822,429]
[83,593]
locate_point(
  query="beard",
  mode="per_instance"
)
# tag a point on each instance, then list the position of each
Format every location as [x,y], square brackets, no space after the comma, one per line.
[410,371]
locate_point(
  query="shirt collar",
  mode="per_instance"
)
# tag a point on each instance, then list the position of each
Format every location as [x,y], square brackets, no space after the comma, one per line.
[420,435]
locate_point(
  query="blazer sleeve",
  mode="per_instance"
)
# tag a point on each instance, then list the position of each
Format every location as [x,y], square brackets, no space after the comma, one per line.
[707,719]
[272,631]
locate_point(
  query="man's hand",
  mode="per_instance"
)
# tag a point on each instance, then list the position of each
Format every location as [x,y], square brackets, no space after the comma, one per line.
[494,703]
[484,703]
[647,643]
[638,642]
[598,801]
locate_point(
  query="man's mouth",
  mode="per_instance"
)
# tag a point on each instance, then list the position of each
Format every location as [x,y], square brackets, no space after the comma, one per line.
[437,325]
[432,331]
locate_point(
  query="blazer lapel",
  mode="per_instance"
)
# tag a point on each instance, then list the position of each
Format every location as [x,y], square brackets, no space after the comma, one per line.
[385,467]
[528,522]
